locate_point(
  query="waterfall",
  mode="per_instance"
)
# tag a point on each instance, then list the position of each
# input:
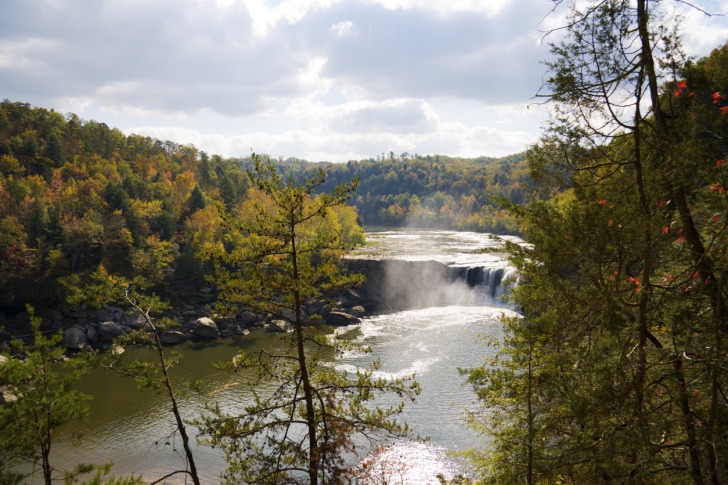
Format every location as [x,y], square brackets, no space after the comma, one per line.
[491,284]
[396,285]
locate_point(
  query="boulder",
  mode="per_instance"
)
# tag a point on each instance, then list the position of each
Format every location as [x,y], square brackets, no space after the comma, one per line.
[80,316]
[290,315]
[134,319]
[74,338]
[249,318]
[108,331]
[357,310]
[279,326]
[350,297]
[341,318]
[6,396]
[318,307]
[108,312]
[206,328]
[172,337]
[92,335]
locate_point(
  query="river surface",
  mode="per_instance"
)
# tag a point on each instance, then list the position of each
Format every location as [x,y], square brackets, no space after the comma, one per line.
[134,428]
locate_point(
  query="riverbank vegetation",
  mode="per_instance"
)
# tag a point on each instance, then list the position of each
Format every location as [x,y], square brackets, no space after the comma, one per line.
[616,371]
[40,399]
[282,256]
[77,194]
[285,256]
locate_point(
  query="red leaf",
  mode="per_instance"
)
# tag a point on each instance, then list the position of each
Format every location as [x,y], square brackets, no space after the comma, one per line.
[679,86]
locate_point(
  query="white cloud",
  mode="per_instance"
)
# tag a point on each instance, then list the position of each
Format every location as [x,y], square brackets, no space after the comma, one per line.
[343,28]
[397,116]
[698,39]
[266,16]
[319,79]
[490,7]
[23,55]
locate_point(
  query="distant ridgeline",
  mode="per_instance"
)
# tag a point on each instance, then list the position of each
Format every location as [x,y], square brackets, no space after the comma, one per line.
[430,191]
[77,194]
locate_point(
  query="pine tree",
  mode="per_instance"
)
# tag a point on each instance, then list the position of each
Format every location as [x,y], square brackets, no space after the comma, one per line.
[280,257]
[40,381]
[616,361]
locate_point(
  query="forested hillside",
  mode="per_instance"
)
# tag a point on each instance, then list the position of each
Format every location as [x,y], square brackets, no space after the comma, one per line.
[435,191]
[616,370]
[77,194]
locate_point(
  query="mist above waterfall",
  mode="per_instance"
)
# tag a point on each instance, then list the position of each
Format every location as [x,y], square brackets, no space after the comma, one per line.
[421,284]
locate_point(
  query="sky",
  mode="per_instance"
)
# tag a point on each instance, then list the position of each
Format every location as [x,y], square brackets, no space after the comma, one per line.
[321,80]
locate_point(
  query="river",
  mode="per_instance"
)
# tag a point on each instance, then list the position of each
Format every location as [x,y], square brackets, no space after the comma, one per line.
[133,428]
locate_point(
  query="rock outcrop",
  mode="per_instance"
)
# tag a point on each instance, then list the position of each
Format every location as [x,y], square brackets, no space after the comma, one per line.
[75,338]
[206,328]
[341,318]
[172,337]
[279,326]
[110,330]
[84,327]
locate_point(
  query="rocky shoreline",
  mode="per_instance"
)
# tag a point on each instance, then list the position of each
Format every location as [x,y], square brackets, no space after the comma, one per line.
[98,328]
[190,308]
[389,286]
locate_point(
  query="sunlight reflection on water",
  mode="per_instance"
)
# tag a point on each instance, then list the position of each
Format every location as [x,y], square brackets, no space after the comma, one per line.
[408,463]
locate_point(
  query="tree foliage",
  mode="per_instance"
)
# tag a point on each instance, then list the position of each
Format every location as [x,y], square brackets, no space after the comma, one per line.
[282,257]
[75,194]
[616,370]
[431,191]
[39,382]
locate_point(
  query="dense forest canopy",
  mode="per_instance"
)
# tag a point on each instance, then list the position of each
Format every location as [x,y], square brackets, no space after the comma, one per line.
[77,194]
[615,370]
[433,191]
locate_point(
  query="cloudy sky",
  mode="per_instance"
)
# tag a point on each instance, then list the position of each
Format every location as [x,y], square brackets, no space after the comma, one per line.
[317,79]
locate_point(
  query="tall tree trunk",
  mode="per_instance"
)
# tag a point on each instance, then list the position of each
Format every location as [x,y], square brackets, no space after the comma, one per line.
[692,235]
[313,451]
[45,431]
[192,472]
[644,297]
[529,410]
[175,410]
[715,391]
